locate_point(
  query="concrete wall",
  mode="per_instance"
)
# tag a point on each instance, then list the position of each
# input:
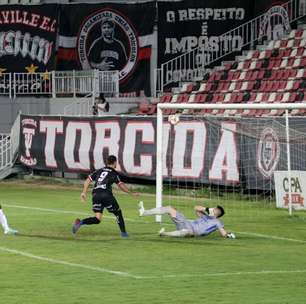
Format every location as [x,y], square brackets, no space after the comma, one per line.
[122,105]
[83,106]
[9,108]
[58,105]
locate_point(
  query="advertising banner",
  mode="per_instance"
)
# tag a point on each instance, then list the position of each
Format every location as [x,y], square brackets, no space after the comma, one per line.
[298,189]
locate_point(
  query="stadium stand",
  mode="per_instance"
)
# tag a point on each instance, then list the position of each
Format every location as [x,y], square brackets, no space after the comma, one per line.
[272,73]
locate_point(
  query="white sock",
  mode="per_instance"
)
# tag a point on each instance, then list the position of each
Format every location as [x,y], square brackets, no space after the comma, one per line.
[157,211]
[177,233]
[3,221]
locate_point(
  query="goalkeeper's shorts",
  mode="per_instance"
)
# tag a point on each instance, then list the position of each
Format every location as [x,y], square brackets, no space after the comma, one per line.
[181,222]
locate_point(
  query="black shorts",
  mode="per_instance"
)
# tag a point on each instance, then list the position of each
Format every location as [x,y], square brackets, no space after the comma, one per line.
[101,200]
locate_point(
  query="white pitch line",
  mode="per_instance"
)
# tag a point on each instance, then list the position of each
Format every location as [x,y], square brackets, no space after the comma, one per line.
[58,211]
[238,273]
[45,209]
[144,277]
[54,261]
[272,237]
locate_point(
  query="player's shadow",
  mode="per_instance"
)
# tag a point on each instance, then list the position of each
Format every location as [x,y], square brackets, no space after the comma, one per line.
[94,237]
[70,238]
[192,241]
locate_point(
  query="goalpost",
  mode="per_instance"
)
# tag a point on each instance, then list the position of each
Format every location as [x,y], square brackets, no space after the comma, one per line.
[280,140]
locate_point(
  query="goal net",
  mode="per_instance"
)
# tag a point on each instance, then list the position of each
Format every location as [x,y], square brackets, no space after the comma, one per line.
[247,158]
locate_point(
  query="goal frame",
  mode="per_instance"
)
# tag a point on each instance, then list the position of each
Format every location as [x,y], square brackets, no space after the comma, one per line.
[203,106]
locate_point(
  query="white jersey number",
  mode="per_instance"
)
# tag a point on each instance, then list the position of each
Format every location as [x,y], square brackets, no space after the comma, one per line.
[101,179]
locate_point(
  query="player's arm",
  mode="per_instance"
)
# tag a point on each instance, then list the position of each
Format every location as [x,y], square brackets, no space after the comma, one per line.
[226,234]
[85,188]
[122,186]
[200,210]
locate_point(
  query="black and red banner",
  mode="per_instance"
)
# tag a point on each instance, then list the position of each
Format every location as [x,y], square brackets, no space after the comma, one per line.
[108,36]
[215,151]
[28,37]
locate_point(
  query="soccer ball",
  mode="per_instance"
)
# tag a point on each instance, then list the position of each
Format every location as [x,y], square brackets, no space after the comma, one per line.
[174,119]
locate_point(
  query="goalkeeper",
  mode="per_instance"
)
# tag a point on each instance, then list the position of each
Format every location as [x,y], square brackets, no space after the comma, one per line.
[206,223]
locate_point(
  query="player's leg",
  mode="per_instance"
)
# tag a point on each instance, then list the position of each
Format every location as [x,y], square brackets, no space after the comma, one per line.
[182,224]
[176,233]
[156,211]
[97,208]
[114,208]
[4,223]
[3,220]
[93,220]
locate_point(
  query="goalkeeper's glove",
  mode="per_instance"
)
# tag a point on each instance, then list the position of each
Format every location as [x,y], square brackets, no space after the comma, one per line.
[230,235]
[209,211]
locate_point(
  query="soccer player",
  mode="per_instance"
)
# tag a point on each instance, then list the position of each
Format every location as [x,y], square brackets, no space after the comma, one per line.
[206,223]
[102,196]
[4,223]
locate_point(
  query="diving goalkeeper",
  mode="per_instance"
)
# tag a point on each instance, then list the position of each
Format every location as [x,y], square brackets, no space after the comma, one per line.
[206,223]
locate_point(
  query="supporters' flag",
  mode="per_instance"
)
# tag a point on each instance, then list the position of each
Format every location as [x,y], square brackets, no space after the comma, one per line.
[185,25]
[28,37]
[109,37]
[276,22]
[262,6]
[219,151]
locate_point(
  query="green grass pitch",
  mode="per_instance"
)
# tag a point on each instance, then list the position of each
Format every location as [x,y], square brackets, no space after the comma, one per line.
[46,264]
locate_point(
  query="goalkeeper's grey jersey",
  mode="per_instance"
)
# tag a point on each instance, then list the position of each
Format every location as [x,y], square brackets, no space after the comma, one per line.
[206,225]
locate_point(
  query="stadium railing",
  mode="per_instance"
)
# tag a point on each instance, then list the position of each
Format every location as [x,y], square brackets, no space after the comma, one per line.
[60,83]
[5,150]
[9,145]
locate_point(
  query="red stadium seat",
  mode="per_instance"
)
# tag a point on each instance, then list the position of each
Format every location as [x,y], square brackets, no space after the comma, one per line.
[285,53]
[289,73]
[143,107]
[200,98]
[276,74]
[166,98]
[152,109]
[182,98]
[187,88]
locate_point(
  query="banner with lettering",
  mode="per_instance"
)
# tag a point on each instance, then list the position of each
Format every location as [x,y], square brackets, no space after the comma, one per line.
[109,36]
[28,37]
[294,186]
[232,152]
[185,25]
